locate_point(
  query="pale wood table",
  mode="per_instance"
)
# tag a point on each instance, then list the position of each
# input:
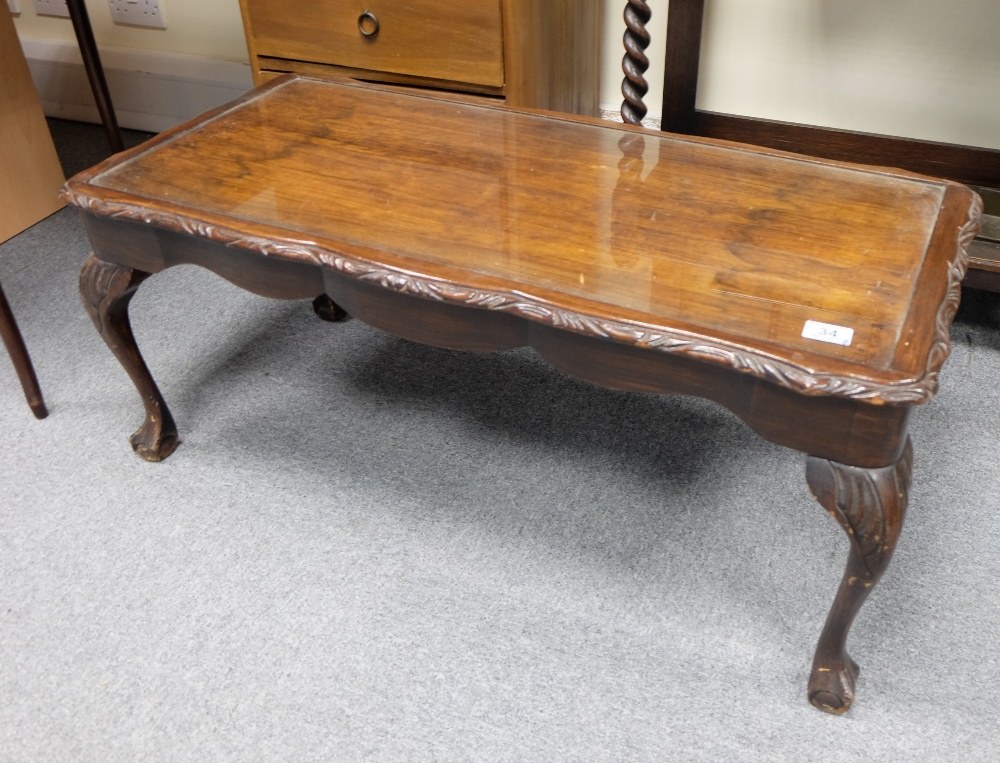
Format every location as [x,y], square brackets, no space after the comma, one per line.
[30,178]
[811,298]
[30,174]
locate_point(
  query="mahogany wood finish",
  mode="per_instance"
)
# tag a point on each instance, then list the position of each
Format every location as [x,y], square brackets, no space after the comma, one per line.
[328,310]
[683,56]
[630,259]
[106,290]
[14,343]
[964,164]
[984,252]
[869,504]
[536,55]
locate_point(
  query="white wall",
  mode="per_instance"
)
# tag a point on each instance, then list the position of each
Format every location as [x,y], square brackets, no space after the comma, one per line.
[918,68]
[158,78]
[209,28]
[921,68]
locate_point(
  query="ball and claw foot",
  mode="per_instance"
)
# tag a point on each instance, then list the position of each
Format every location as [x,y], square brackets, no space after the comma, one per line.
[106,290]
[151,443]
[328,310]
[870,505]
[831,687]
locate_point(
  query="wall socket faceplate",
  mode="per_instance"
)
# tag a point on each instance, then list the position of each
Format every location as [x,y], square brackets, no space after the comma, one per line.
[51,8]
[137,13]
[14,6]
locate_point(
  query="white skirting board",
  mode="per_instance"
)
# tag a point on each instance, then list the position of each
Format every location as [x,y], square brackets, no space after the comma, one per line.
[151,90]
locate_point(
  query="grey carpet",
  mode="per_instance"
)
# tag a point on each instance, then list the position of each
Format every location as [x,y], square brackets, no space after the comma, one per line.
[366,549]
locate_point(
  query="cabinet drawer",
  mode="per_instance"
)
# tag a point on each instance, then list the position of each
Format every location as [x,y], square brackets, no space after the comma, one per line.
[436,39]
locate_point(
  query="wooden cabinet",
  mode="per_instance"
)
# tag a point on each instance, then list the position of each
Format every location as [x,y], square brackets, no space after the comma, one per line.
[535,54]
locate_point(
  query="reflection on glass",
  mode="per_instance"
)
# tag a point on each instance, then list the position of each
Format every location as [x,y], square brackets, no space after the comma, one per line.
[657,230]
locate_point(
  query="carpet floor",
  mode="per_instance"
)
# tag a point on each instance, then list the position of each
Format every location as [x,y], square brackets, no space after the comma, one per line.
[367,549]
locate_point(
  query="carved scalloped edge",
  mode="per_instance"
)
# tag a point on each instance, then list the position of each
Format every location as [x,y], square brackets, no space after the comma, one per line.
[761,365]
[953,296]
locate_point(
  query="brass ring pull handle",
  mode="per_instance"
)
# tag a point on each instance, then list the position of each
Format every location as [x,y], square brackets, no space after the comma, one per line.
[368,25]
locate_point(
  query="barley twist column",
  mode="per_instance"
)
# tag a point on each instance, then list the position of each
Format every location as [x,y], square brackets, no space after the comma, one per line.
[635,62]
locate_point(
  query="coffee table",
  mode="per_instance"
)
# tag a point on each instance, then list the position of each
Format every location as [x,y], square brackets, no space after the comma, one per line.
[811,298]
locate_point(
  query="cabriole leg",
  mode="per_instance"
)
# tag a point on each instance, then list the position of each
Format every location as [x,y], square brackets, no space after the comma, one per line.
[869,504]
[106,290]
[328,310]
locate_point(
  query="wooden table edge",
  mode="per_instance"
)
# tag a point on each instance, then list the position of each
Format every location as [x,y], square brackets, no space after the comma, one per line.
[765,362]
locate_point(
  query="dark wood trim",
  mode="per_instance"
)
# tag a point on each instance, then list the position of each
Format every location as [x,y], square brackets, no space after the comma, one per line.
[636,62]
[95,72]
[718,350]
[680,75]
[964,164]
[984,266]
[14,342]
[870,505]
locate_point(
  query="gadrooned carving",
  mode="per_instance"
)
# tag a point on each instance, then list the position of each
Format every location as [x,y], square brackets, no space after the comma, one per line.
[760,364]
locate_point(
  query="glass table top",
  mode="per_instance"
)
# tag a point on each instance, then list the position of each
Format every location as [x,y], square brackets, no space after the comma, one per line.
[659,230]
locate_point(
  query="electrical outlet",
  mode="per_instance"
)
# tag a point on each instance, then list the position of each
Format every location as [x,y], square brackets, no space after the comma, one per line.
[51,8]
[137,13]
[14,6]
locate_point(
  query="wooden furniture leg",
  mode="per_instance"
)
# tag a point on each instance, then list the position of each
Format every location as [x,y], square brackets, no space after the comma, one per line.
[106,290]
[869,504]
[22,362]
[95,72]
[327,309]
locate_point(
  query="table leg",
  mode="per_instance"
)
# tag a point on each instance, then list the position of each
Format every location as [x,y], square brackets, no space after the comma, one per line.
[14,343]
[869,504]
[106,290]
[328,310]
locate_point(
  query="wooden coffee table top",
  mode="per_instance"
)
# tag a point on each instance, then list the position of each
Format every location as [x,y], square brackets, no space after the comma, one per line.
[713,250]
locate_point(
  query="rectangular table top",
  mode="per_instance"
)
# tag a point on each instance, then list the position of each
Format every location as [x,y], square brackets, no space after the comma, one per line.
[691,235]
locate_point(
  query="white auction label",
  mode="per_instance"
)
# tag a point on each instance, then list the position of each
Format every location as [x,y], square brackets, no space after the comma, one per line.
[827,332]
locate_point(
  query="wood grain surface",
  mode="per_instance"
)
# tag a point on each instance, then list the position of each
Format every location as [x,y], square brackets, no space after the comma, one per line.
[535,55]
[713,250]
[436,39]
[552,54]
[30,174]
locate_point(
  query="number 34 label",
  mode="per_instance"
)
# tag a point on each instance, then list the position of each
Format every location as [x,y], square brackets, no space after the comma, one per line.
[827,332]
